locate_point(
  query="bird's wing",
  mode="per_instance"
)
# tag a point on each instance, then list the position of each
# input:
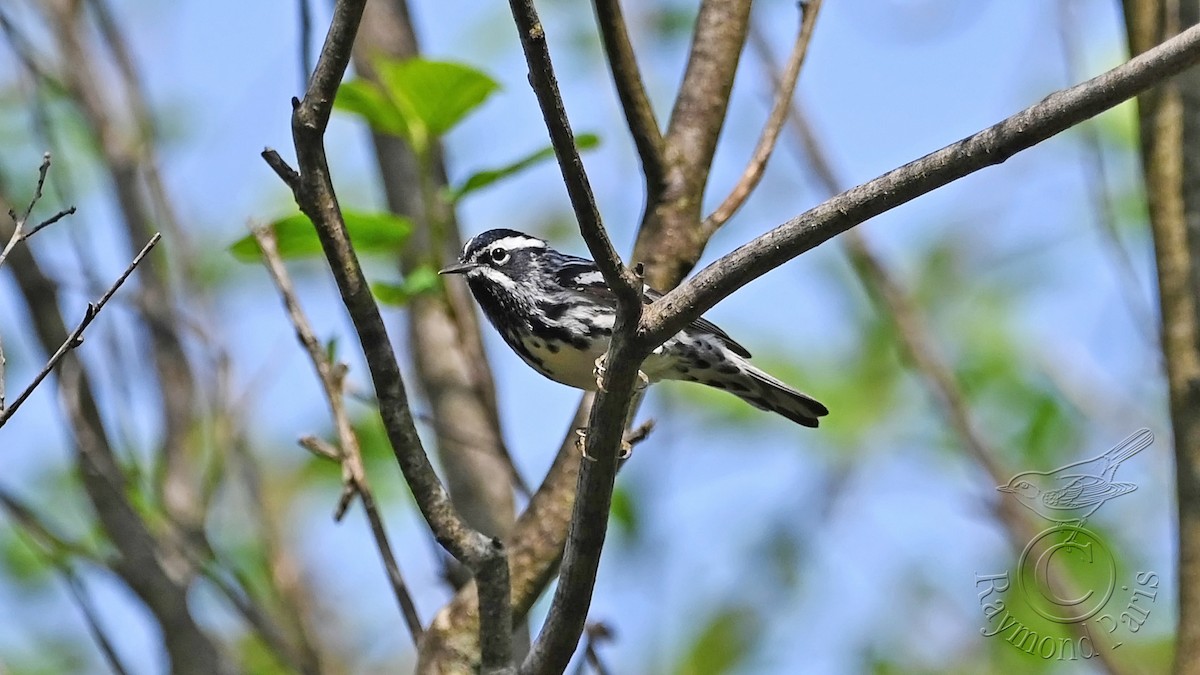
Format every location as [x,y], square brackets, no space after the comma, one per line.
[582,275]
[1084,492]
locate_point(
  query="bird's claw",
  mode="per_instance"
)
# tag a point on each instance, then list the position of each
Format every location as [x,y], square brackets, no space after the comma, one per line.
[581,445]
[599,370]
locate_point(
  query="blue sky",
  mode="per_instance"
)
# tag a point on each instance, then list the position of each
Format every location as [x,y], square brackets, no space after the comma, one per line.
[892,530]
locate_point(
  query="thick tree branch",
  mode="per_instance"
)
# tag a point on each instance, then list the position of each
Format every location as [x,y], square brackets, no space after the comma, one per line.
[631,90]
[1169,118]
[349,454]
[786,88]
[1054,114]
[316,198]
[445,340]
[670,240]
[919,345]
[585,539]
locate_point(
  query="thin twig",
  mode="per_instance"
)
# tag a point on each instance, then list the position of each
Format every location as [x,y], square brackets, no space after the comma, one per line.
[315,195]
[1056,113]
[76,337]
[305,40]
[621,280]
[332,376]
[1102,199]
[786,88]
[631,90]
[919,344]
[92,618]
[57,551]
[20,220]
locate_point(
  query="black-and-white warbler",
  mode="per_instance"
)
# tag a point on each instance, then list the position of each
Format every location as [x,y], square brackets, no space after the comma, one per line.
[557,314]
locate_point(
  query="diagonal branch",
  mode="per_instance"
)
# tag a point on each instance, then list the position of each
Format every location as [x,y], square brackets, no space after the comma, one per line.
[1054,114]
[349,454]
[585,539]
[770,133]
[631,90]
[315,196]
[541,77]
[76,337]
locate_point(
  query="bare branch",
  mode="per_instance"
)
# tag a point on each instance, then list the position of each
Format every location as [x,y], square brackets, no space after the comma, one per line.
[19,221]
[631,90]
[585,539]
[786,88]
[332,376]
[76,337]
[1054,114]
[627,287]
[315,195]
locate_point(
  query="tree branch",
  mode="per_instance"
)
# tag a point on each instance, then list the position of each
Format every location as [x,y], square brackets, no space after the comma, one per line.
[631,90]
[786,88]
[621,280]
[76,337]
[332,377]
[315,195]
[670,241]
[1054,114]
[585,539]
[1170,142]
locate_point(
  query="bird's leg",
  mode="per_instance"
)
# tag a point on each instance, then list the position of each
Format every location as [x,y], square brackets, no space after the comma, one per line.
[598,371]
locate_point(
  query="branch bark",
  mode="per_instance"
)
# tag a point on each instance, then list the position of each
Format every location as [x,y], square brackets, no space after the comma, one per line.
[631,90]
[786,88]
[349,454]
[1170,134]
[1054,114]
[444,331]
[314,194]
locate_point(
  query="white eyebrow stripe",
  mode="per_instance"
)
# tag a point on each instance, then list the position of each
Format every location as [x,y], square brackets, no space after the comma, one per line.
[514,243]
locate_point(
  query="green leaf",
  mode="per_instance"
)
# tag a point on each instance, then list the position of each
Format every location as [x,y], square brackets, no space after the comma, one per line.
[22,563]
[625,511]
[436,95]
[482,179]
[367,100]
[379,233]
[723,643]
[421,280]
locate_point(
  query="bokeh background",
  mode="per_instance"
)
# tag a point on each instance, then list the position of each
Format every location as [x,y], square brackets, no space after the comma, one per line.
[739,542]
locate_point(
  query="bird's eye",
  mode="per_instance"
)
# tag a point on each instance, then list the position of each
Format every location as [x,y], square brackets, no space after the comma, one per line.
[499,256]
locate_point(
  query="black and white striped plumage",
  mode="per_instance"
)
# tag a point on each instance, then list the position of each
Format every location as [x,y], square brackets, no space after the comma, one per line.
[557,314]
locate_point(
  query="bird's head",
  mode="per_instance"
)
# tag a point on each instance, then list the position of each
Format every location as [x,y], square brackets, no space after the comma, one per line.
[1021,487]
[499,257]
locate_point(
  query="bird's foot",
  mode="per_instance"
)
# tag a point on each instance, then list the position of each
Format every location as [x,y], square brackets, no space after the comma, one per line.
[642,383]
[599,370]
[581,444]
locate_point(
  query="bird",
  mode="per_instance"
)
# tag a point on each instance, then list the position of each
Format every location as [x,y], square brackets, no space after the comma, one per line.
[1072,493]
[556,312]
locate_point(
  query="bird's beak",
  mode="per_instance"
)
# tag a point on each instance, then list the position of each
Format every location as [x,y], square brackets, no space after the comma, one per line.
[459,268]
[1005,488]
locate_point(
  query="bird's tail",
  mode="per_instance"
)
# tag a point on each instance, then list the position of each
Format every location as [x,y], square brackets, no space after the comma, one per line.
[763,391]
[1129,447]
